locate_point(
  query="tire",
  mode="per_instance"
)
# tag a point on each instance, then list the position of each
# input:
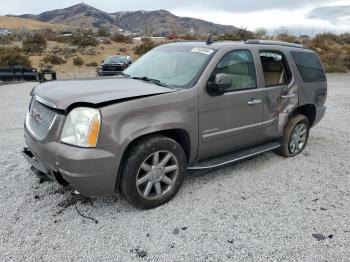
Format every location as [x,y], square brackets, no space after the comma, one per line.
[294,124]
[147,182]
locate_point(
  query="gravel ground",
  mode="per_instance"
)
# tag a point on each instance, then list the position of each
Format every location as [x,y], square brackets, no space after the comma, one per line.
[265,209]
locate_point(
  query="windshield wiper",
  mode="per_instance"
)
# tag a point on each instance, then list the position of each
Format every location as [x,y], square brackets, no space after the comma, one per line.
[151,80]
[125,75]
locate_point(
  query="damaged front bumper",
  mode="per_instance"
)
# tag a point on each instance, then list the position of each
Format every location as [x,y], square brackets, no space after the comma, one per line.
[90,171]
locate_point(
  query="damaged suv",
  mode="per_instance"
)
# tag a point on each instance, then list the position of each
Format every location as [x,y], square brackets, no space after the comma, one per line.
[182,106]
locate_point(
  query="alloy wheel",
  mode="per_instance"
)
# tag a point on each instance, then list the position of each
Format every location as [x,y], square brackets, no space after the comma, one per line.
[157,175]
[298,138]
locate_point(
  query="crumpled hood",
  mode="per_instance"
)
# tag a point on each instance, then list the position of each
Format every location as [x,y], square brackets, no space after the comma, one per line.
[95,91]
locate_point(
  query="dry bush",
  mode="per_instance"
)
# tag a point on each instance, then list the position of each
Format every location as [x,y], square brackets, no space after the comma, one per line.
[88,51]
[83,38]
[120,38]
[12,56]
[238,35]
[190,37]
[78,61]
[34,44]
[287,38]
[103,31]
[333,51]
[7,39]
[123,50]
[92,64]
[54,59]
[145,46]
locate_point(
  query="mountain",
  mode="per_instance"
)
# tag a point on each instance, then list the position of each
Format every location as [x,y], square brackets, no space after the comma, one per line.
[81,15]
[160,21]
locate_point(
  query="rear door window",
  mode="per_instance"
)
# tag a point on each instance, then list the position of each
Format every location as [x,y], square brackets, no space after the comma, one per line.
[309,66]
[275,68]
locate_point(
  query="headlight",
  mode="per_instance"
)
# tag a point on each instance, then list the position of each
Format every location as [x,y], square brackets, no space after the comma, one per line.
[82,127]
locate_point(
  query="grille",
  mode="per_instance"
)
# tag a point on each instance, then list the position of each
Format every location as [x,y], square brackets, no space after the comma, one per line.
[114,68]
[39,119]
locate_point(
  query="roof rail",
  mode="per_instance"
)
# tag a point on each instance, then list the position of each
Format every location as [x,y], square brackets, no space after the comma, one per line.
[271,42]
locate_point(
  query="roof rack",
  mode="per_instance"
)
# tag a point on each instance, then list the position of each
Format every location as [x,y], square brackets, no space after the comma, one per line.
[271,42]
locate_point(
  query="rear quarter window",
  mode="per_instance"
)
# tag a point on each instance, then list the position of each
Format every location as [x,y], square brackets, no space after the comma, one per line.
[309,66]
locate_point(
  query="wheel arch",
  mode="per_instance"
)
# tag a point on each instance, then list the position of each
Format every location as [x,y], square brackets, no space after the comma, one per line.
[309,110]
[181,136]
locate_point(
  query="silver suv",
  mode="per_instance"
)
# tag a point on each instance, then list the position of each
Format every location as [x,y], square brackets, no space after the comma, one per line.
[182,106]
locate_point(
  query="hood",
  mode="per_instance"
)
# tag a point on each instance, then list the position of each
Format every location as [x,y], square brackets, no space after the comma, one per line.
[62,94]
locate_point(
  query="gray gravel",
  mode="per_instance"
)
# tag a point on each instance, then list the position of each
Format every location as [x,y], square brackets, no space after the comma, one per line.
[265,209]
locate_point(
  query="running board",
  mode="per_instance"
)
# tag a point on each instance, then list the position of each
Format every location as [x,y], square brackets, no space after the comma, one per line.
[234,157]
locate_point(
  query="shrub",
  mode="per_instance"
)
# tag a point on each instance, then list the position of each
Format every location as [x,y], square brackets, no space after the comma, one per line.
[92,64]
[83,38]
[239,34]
[103,31]
[190,37]
[78,61]
[120,38]
[123,50]
[144,47]
[12,56]
[6,39]
[54,60]
[34,44]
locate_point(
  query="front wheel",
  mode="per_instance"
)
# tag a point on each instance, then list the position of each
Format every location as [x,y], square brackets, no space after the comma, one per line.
[295,136]
[153,172]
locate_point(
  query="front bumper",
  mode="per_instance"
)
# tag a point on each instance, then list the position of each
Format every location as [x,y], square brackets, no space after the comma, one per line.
[109,73]
[90,171]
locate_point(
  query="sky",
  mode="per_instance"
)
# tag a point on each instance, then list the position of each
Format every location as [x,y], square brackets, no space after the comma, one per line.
[299,16]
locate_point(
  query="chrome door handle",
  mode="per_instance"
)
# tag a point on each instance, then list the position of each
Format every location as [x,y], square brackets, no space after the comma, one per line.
[288,96]
[254,102]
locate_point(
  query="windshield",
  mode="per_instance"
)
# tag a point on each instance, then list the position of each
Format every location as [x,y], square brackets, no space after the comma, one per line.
[174,66]
[116,60]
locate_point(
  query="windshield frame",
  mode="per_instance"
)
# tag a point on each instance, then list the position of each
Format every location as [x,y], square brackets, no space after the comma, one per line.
[196,78]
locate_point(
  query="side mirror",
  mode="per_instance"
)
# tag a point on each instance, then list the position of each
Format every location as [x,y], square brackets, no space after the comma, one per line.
[220,84]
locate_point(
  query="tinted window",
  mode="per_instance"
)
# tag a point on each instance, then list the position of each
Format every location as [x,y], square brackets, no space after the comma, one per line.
[275,68]
[240,65]
[309,66]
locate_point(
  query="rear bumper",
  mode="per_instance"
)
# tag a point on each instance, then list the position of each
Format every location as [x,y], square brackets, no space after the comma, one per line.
[90,171]
[320,113]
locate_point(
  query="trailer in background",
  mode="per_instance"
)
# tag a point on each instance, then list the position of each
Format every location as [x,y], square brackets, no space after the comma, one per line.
[24,73]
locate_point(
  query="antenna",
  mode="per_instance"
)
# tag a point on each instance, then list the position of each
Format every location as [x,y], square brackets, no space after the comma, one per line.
[210,41]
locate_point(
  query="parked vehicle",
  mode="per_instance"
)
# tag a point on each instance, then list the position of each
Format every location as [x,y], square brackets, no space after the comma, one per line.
[114,65]
[182,106]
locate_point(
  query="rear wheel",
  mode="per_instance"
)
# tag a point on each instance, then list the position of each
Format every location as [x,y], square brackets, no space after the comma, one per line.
[153,172]
[295,136]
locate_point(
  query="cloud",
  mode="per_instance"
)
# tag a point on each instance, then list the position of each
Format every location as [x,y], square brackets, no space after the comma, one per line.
[337,15]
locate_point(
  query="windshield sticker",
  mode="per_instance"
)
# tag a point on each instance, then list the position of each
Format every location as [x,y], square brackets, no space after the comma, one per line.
[206,51]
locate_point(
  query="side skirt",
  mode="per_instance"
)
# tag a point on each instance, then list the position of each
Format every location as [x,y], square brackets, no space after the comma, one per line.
[234,157]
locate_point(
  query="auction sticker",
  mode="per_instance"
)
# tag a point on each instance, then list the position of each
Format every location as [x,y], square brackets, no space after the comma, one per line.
[202,50]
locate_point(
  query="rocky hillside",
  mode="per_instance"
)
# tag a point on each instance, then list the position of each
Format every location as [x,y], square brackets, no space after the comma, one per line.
[16,23]
[154,22]
[162,21]
[81,15]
